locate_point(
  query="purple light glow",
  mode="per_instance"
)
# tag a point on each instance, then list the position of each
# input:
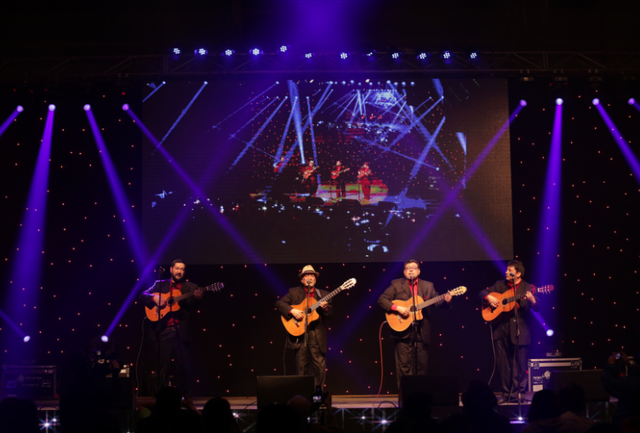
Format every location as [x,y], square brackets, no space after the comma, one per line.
[120,198]
[523,103]
[52,107]
[228,53]
[632,101]
[104,339]
[344,56]
[26,338]
[87,107]
[596,101]
[550,332]
[125,107]
[559,101]
[10,119]
[629,155]
[20,109]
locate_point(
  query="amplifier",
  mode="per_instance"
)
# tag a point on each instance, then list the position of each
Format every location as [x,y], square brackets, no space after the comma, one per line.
[541,370]
[29,381]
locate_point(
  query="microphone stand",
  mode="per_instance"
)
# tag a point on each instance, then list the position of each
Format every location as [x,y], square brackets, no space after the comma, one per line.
[414,332]
[159,380]
[517,352]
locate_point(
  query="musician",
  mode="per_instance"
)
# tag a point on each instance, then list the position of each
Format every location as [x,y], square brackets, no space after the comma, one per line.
[277,166]
[338,180]
[411,344]
[363,179]
[309,178]
[174,332]
[311,347]
[510,330]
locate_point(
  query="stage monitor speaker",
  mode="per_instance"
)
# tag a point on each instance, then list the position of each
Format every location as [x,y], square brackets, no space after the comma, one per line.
[445,390]
[589,380]
[280,389]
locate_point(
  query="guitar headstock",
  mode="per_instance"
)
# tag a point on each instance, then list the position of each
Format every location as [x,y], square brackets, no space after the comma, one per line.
[215,287]
[458,291]
[544,290]
[348,284]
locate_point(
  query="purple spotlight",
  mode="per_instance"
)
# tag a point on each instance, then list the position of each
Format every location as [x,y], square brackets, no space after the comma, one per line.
[284,48]
[596,101]
[228,53]
[201,52]
[177,51]
[344,56]
[20,108]
[422,56]
[446,55]
[631,101]
[559,101]
[104,339]
[26,338]
[550,332]
[52,107]
[255,51]
[125,107]
[395,55]
[308,55]
[523,103]
[87,107]
[473,55]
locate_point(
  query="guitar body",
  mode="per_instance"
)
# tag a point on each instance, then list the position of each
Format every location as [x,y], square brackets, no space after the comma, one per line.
[399,323]
[489,313]
[295,327]
[154,315]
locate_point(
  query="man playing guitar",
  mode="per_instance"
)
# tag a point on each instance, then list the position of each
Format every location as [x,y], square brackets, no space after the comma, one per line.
[338,180]
[309,179]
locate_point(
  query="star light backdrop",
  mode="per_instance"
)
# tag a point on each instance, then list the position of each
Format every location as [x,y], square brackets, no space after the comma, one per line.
[89,267]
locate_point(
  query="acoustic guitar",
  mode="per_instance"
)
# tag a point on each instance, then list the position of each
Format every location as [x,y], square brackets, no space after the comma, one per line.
[296,327]
[336,173]
[399,323]
[172,298]
[507,301]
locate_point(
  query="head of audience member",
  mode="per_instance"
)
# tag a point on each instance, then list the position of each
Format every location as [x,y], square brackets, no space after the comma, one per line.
[217,415]
[572,399]
[543,406]
[278,418]
[168,399]
[18,415]
[479,398]
[302,406]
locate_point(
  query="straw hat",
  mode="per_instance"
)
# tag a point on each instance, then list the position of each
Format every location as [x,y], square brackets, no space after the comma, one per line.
[308,270]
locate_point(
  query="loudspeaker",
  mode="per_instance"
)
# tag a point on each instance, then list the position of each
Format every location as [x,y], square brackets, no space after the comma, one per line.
[445,390]
[280,389]
[589,380]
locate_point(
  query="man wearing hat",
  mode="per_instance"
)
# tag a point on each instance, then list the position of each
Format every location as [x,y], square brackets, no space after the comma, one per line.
[309,348]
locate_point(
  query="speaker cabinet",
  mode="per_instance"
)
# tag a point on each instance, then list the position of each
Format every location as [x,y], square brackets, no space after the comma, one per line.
[280,389]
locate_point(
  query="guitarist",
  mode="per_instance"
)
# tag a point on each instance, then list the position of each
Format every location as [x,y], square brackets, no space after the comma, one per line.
[309,178]
[174,332]
[510,330]
[411,344]
[338,180]
[311,347]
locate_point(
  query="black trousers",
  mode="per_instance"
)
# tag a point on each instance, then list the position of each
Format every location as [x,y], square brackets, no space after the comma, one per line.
[406,360]
[310,361]
[512,366]
[171,345]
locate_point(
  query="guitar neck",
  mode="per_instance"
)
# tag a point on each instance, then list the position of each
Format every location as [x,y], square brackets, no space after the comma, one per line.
[431,301]
[326,298]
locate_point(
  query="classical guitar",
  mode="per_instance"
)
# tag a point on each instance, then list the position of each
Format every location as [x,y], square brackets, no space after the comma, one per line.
[295,327]
[172,298]
[399,323]
[336,173]
[364,174]
[308,172]
[507,301]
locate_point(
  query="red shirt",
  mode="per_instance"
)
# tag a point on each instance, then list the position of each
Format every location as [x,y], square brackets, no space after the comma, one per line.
[172,320]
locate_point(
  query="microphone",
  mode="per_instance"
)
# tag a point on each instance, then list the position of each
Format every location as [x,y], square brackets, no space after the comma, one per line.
[511,274]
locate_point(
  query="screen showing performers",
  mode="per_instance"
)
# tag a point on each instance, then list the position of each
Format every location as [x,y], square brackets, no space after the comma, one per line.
[372,167]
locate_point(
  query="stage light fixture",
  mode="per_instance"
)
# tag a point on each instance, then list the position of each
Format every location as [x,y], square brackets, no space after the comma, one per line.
[87,107]
[52,107]
[559,101]
[550,332]
[201,52]
[176,51]
[26,338]
[344,55]
[308,55]
[423,56]
[473,55]
[446,55]
[19,108]
[370,53]
[284,48]
[104,339]
[125,107]
[523,103]
[255,51]
[631,102]
[596,101]
[228,52]
[396,55]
